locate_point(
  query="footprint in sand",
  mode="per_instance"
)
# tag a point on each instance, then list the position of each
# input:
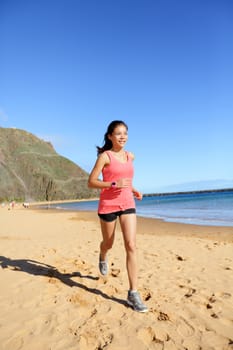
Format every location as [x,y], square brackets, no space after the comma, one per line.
[146,294]
[212,299]
[76,299]
[163,316]
[15,343]
[184,328]
[153,339]
[111,290]
[226,295]
[180,258]
[53,280]
[190,292]
[115,272]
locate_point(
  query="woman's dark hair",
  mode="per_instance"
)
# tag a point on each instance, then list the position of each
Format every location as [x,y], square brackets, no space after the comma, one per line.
[108,143]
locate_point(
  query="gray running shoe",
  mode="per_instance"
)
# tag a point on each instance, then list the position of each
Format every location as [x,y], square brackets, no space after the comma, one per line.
[134,300]
[103,266]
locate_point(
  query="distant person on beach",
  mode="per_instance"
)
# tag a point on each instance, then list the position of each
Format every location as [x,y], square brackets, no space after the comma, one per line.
[117,201]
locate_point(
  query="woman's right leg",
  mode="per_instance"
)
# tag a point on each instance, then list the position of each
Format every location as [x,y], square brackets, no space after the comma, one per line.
[108,234]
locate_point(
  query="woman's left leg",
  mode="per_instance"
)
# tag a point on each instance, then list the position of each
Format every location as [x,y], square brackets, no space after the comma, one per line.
[128,227]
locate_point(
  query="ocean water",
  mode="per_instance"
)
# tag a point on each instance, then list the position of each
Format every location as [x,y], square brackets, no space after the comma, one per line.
[213,208]
[209,208]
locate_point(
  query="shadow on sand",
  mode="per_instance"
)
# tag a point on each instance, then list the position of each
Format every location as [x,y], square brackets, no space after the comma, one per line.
[36,268]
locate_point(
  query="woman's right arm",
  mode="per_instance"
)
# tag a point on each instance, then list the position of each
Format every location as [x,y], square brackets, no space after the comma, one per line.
[93,180]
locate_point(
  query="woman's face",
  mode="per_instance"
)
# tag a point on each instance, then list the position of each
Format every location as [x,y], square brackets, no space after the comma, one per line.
[119,136]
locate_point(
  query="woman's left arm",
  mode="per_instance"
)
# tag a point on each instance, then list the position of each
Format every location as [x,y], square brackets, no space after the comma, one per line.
[138,195]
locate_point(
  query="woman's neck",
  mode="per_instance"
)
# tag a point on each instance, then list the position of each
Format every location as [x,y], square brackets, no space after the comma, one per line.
[117,150]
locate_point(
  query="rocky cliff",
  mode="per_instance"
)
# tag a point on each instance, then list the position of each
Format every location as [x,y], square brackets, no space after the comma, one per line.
[30,169]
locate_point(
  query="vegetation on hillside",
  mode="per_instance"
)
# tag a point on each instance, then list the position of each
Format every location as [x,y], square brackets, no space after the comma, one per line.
[30,169]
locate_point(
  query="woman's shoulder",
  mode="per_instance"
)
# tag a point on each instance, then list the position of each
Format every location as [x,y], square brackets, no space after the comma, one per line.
[104,157]
[130,154]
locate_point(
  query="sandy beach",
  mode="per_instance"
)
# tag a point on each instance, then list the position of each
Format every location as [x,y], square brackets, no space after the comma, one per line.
[53,297]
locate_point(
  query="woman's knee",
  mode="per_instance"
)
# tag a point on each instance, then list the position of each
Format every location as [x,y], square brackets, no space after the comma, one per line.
[107,244]
[130,246]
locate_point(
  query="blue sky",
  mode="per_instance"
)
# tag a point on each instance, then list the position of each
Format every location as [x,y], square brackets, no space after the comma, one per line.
[69,67]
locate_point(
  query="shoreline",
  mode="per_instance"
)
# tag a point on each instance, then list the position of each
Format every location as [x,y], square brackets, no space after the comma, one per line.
[153,226]
[206,219]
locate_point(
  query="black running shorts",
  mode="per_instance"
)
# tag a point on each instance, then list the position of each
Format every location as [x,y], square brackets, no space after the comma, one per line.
[113,216]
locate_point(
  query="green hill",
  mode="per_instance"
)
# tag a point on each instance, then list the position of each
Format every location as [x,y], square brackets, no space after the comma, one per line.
[30,169]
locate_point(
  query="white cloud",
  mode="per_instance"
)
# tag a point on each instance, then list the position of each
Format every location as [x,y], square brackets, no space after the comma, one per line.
[3,116]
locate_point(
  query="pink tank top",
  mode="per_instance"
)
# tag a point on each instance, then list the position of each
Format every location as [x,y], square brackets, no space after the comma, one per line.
[116,199]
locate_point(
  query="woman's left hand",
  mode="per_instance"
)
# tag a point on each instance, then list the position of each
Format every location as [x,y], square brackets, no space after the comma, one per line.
[138,195]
